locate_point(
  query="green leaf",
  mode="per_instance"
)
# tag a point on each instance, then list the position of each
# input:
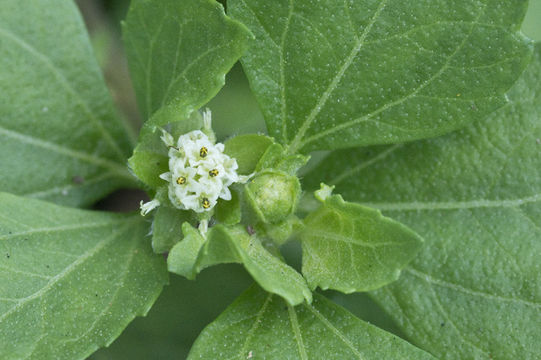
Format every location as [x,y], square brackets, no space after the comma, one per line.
[179,53]
[474,292]
[259,325]
[334,74]
[276,158]
[235,245]
[247,149]
[183,256]
[167,227]
[228,212]
[70,280]
[348,247]
[58,130]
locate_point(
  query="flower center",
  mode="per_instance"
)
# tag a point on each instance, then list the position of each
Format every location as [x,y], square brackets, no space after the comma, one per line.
[203,152]
[206,203]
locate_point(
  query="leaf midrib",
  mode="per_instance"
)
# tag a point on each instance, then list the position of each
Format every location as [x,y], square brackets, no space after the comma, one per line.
[255,325]
[115,167]
[336,331]
[60,228]
[298,142]
[319,233]
[348,172]
[297,332]
[459,288]
[295,144]
[452,205]
[68,186]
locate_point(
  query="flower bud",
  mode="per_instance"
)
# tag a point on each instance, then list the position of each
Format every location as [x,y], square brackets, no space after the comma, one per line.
[273,196]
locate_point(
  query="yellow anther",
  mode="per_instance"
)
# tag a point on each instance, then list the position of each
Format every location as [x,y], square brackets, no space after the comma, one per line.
[203,152]
[205,202]
[181,180]
[213,172]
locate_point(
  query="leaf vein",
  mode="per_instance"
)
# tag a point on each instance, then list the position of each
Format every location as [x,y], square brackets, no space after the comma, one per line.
[368,117]
[283,100]
[254,327]
[445,313]
[27,273]
[453,205]
[85,256]
[296,143]
[102,162]
[60,228]
[113,297]
[452,286]
[337,332]
[297,332]
[66,84]
[382,155]
[66,188]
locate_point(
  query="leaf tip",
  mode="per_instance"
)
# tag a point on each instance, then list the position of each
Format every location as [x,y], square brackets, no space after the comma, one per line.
[324,192]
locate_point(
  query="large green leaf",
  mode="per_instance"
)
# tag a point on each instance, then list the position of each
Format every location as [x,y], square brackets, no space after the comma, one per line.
[70,280]
[350,248]
[259,325]
[474,195]
[179,53]
[233,244]
[60,138]
[332,74]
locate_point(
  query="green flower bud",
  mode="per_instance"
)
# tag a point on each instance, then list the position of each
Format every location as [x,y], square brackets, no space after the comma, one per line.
[273,196]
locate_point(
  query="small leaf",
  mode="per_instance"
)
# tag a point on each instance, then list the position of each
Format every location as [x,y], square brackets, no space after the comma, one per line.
[235,245]
[474,292]
[247,149]
[61,137]
[183,256]
[174,71]
[348,247]
[228,212]
[335,74]
[276,158]
[259,325]
[71,280]
[167,227]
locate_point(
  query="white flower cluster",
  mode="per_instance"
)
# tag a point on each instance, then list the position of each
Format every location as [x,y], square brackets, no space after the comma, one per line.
[199,172]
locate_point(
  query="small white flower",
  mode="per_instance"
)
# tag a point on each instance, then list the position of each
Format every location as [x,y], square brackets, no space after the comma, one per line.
[148,206]
[207,120]
[199,171]
[167,138]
